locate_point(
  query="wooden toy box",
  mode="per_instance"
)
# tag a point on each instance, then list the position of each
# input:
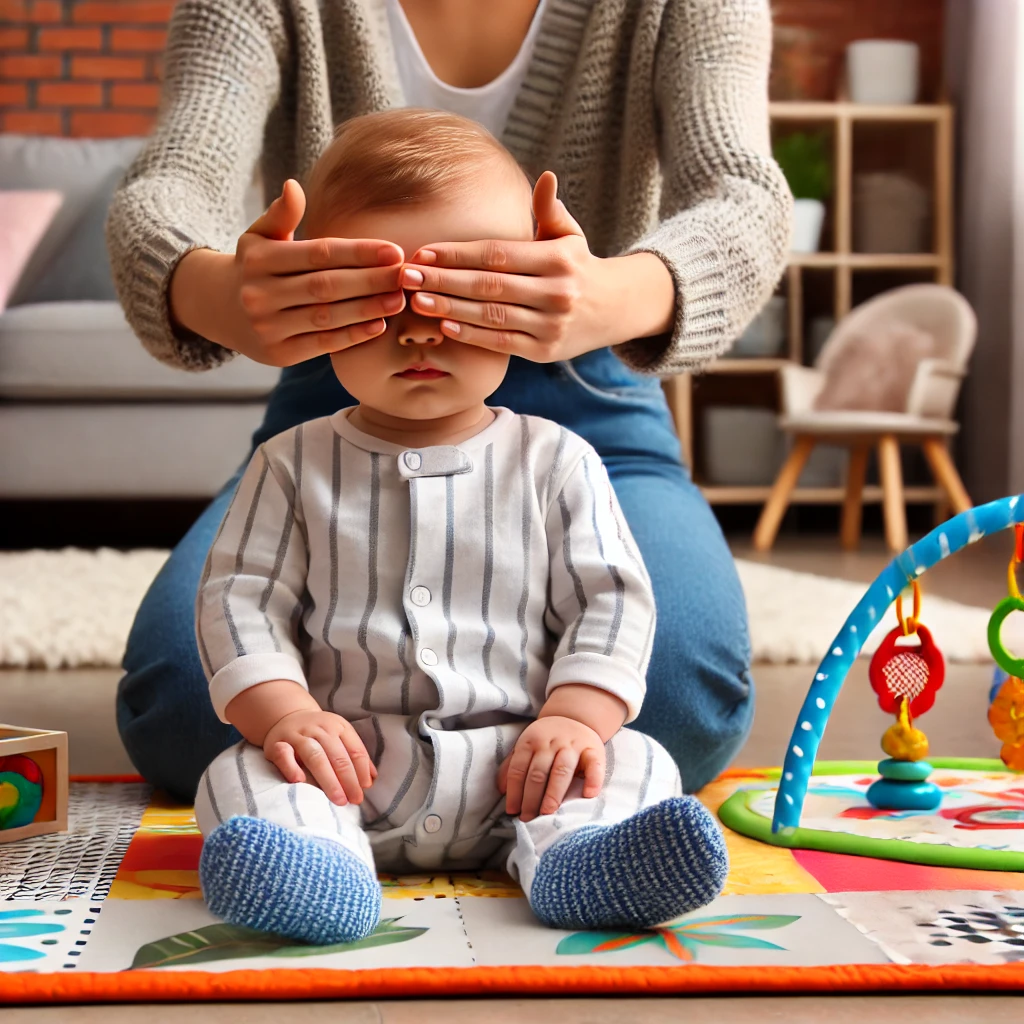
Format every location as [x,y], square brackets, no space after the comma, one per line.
[30,760]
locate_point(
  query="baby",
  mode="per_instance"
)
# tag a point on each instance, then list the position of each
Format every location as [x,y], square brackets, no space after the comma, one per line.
[429,620]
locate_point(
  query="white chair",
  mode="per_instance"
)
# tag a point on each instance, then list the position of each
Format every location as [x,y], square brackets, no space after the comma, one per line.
[927,420]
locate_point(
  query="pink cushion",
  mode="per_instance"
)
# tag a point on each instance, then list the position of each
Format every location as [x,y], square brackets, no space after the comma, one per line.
[874,370]
[24,218]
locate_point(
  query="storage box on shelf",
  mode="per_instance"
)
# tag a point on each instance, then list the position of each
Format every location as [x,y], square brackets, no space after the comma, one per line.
[840,121]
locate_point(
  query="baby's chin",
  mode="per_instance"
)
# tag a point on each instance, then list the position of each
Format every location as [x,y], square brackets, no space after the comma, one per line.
[416,402]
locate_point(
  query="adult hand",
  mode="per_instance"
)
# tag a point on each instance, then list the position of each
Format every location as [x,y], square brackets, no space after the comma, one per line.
[537,774]
[546,300]
[289,300]
[328,747]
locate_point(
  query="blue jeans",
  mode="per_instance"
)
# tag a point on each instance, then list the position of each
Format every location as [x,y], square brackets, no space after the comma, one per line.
[700,697]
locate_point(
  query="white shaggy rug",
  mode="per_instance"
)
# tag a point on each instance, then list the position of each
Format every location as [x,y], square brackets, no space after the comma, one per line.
[73,608]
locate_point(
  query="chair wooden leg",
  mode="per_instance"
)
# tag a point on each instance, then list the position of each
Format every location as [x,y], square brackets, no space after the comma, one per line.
[893,505]
[778,501]
[853,505]
[946,476]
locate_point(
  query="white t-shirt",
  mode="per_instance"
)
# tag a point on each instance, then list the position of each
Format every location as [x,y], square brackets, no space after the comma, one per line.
[488,105]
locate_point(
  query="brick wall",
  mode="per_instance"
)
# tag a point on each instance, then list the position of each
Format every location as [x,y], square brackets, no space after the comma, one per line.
[833,24]
[84,67]
[81,67]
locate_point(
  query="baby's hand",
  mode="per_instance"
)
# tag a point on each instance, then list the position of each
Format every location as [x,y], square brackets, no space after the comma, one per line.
[536,776]
[328,747]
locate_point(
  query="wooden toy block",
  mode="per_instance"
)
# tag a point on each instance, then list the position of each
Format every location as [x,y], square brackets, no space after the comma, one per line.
[33,782]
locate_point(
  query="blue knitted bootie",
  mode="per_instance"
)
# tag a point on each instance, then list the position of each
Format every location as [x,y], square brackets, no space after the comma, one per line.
[261,875]
[641,872]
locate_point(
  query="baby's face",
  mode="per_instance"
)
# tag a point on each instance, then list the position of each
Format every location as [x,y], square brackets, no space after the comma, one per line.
[412,371]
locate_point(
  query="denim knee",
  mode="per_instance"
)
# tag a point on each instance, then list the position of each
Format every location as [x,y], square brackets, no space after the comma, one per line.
[700,694]
[164,714]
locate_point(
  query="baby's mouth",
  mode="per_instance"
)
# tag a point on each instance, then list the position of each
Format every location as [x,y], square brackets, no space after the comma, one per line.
[423,371]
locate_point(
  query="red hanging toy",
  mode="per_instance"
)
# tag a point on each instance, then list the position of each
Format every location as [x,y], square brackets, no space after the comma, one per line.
[901,672]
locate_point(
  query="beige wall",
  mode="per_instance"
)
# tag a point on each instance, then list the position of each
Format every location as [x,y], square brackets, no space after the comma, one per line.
[983,47]
[1017,396]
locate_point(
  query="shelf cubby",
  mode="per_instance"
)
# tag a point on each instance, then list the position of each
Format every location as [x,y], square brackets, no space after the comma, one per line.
[916,140]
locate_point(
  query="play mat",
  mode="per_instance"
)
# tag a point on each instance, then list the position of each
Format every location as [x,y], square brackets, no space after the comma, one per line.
[111,910]
[902,874]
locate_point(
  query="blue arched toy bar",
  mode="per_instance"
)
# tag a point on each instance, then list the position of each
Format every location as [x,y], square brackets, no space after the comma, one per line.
[942,542]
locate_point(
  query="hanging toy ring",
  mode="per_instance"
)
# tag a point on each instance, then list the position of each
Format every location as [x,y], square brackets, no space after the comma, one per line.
[1013,603]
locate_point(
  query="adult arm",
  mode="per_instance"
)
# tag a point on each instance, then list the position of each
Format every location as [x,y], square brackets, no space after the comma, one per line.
[725,207]
[186,189]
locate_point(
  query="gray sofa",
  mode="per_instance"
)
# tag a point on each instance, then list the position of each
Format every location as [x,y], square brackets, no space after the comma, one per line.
[85,411]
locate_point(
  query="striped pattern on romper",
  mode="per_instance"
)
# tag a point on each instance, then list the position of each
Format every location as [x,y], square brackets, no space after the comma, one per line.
[433,597]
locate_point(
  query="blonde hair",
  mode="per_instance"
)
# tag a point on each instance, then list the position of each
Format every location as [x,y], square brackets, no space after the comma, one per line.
[399,157]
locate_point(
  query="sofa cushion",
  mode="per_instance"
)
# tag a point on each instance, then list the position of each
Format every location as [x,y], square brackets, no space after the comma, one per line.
[24,218]
[81,268]
[122,450]
[77,168]
[86,350]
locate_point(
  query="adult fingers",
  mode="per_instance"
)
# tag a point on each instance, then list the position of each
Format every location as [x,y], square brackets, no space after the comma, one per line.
[495,316]
[321,286]
[282,756]
[260,256]
[536,783]
[325,317]
[549,293]
[592,761]
[283,215]
[494,255]
[563,770]
[511,343]
[553,219]
[308,346]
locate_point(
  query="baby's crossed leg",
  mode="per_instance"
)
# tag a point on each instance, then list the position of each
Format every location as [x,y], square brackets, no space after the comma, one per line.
[280,857]
[637,855]
[242,782]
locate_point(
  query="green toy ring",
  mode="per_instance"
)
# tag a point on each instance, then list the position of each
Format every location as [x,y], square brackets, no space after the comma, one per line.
[1006,661]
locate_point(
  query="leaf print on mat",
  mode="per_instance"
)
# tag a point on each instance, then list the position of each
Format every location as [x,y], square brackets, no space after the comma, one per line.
[229,941]
[683,940]
[11,928]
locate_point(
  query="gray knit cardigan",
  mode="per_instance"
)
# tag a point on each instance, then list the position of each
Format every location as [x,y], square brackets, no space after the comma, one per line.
[653,113]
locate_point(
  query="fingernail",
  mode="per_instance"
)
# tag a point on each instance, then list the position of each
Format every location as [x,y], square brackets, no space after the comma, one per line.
[450,326]
[425,256]
[411,277]
[393,303]
[425,302]
[386,254]
[375,327]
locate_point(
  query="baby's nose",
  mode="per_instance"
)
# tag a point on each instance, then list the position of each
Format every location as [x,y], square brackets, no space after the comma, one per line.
[418,330]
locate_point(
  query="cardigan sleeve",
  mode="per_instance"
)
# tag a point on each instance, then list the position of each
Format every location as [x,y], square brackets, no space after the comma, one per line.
[724,219]
[186,189]
[600,603]
[250,596]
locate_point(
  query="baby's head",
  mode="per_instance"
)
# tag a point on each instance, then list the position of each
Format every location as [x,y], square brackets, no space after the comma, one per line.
[415,177]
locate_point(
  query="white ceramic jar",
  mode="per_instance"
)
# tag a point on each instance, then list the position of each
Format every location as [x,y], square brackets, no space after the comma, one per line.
[808,218]
[883,71]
